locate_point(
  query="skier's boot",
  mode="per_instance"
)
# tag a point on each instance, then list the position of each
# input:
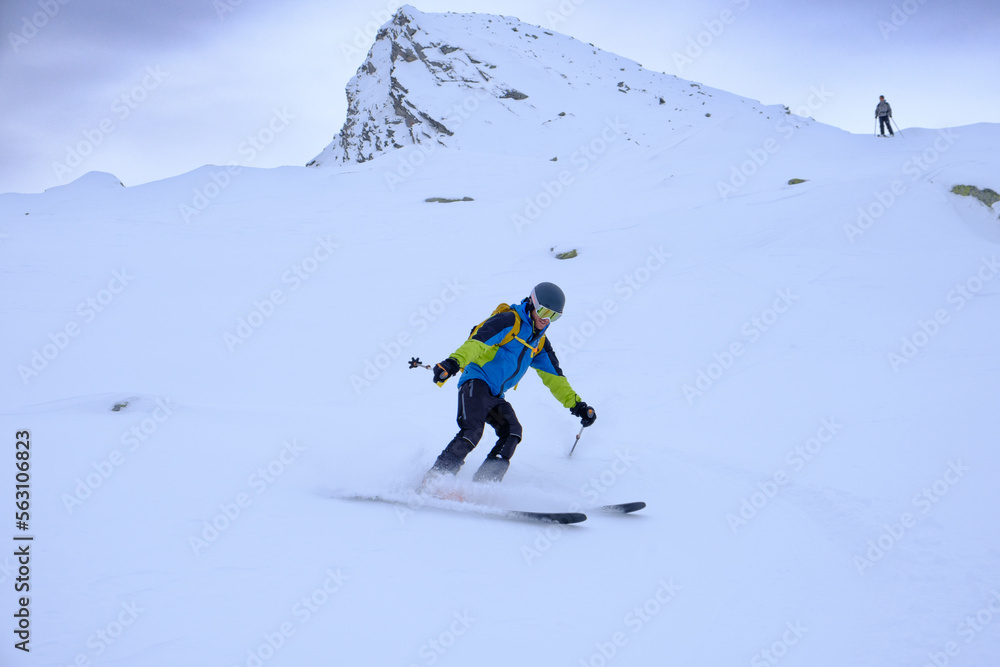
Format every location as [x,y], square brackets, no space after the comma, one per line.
[492,470]
[448,463]
[496,464]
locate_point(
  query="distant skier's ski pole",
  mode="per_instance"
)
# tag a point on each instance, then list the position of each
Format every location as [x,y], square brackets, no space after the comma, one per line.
[897,126]
[577,441]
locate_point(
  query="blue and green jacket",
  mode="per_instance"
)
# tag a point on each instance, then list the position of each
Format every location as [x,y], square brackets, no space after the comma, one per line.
[486,356]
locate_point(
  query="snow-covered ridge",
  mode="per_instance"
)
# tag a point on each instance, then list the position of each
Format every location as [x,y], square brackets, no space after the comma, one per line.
[430,78]
[90,181]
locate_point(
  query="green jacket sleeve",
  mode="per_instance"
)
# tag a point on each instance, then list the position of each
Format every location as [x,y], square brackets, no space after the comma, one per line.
[470,352]
[560,388]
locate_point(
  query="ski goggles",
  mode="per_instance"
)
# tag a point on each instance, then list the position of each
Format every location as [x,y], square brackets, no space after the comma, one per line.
[544,312]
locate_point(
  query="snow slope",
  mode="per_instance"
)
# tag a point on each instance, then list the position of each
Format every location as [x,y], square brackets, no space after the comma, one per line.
[800,380]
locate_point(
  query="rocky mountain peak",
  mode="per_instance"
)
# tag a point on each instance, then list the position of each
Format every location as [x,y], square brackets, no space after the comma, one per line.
[497,85]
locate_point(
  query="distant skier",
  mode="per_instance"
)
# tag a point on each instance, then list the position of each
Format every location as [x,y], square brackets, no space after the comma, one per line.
[884,114]
[495,357]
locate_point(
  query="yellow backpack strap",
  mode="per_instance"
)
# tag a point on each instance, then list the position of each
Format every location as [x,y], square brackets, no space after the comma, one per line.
[535,350]
[502,308]
[512,334]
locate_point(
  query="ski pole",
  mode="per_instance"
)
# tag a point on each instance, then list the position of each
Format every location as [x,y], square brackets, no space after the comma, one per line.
[897,126]
[875,131]
[416,363]
[577,441]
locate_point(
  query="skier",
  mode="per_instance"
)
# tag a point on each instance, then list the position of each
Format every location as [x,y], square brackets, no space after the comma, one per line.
[884,114]
[495,357]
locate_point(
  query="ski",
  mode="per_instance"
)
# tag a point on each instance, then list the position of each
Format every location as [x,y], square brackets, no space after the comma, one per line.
[622,508]
[546,517]
[430,502]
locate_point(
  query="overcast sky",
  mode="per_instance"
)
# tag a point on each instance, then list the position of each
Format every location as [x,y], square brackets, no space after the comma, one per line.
[147,90]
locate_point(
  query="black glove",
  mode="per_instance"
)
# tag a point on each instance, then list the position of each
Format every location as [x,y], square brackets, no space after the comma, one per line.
[445,370]
[586,413]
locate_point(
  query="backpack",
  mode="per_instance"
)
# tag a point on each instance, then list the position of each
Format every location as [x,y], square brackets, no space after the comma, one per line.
[512,334]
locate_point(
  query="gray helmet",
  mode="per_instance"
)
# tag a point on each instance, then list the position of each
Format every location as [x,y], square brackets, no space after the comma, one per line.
[548,301]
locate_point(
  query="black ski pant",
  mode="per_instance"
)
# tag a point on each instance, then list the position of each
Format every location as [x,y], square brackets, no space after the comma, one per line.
[884,122]
[477,407]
